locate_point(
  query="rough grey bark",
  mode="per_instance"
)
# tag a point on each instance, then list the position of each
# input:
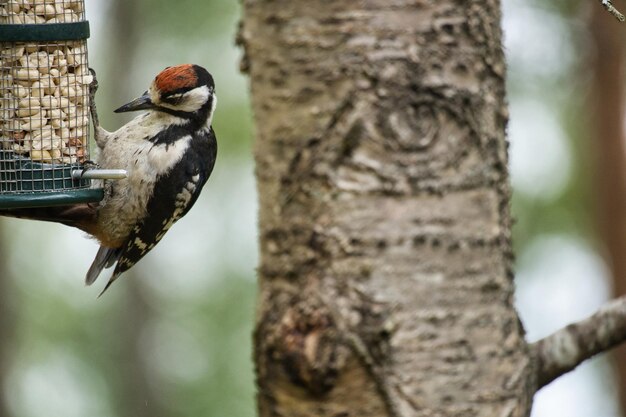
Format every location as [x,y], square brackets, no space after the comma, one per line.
[385,275]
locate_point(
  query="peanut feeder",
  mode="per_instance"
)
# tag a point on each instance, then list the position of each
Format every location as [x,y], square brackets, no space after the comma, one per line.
[44,102]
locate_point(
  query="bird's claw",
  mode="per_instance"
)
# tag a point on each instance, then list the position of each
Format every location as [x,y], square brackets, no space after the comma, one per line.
[88,165]
[93,85]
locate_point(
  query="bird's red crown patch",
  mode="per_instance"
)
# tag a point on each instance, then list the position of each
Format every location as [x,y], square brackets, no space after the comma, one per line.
[174,78]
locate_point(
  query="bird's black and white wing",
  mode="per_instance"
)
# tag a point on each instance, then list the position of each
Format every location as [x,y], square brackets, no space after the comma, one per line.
[174,194]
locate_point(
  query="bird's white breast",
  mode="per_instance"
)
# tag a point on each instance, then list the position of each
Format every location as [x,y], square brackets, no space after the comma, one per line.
[130,148]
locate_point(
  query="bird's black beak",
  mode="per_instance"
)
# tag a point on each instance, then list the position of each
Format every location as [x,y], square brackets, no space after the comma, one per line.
[141,103]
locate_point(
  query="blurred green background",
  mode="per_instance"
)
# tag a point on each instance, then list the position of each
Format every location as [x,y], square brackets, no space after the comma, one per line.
[173,336]
[565,89]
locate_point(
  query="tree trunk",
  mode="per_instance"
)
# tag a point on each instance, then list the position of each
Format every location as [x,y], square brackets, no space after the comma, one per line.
[606,140]
[385,276]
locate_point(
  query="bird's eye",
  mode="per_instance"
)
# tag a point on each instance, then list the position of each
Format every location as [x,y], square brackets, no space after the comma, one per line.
[174,98]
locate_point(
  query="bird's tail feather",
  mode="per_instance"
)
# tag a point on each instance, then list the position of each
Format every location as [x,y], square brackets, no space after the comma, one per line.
[105,258]
[111,280]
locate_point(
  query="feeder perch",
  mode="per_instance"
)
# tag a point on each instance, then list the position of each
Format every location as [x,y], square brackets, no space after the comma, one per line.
[44,104]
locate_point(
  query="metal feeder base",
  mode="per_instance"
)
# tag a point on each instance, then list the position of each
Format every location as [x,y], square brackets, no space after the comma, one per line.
[24,183]
[52,198]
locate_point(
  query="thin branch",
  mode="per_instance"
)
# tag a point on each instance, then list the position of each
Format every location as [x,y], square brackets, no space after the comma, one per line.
[611,9]
[568,347]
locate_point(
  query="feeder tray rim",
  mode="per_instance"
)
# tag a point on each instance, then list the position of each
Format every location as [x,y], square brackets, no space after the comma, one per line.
[51,198]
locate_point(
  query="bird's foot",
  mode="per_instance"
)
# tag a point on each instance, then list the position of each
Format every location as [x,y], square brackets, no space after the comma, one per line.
[88,165]
[93,87]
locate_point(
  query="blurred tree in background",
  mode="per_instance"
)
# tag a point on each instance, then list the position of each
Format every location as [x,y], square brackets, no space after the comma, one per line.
[174,339]
[8,310]
[606,140]
[565,86]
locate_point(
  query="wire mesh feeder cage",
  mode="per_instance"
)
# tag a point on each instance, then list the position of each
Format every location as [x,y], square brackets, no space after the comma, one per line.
[44,103]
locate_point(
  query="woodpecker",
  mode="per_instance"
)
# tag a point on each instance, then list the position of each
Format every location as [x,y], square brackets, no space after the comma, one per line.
[169,152]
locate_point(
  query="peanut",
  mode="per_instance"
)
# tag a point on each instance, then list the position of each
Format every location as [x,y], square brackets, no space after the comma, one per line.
[40,155]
